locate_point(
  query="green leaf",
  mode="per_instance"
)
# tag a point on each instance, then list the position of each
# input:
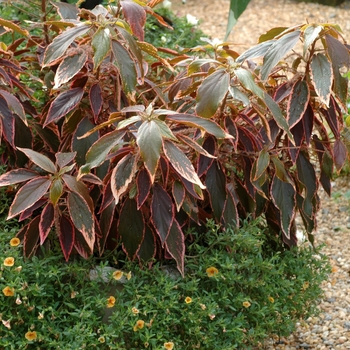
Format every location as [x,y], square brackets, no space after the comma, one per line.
[82,217]
[101,44]
[239,95]
[246,78]
[61,43]
[271,34]
[131,231]
[193,144]
[211,93]
[197,63]
[322,77]
[39,159]
[165,130]
[28,195]
[310,35]
[204,124]
[56,191]
[277,51]
[16,176]
[175,244]
[283,196]
[298,101]
[70,66]
[123,174]
[181,163]
[126,66]
[126,122]
[237,7]
[149,139]
[98,152]
[262,163]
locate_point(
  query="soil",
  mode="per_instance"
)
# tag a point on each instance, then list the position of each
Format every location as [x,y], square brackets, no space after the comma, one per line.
[330,330]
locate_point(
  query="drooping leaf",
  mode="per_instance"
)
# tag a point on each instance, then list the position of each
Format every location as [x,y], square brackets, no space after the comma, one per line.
[130,230]
[148,246]
[215,182]
[96,100]
[14,105]
[310,35]
[61,43]
[63,104]
[39,159]
[123,174]
[66,236]
[80,244]
[7,123]
[230,214]
[143,187]
[46,222]
[211,93]
[181,163]
[175,245]
[204,124]
[70,66]
[298,102]
[16,176]
[283,196]
[322,77]
[126,66]
[204,162]
[277,51]
[29,194]
[31,237]
[30,211]
[14,27]
[340,154]
[340,58]
[179,193]
[82,217]
[82,145]
[106,219]
[98,152]
[162,211]
[101,44]
[332,117]
[262,162]
[135,14]
[149,139]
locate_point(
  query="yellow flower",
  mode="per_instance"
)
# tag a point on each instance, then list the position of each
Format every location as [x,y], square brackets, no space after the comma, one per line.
[31,335]
[10,261]
[128,275]
[306,285]
[135,311]
[14,242]
[188,300]
[139,325]
[169,345]
[110,301]
[8,291]
[117,275]
[246,304]
[101,339]
[212,271]
[272,300]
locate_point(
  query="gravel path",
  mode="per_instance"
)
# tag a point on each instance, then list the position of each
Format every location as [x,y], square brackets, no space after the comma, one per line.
[331,330]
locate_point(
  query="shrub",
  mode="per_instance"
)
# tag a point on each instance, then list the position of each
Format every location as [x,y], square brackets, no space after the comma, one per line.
[127,146]
[237,290]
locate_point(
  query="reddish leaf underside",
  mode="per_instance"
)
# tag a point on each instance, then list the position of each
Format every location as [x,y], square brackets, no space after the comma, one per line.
[46,222]
[66,236]
[340,154]
[148,246]
[136,17]
[96,100]
[143,187]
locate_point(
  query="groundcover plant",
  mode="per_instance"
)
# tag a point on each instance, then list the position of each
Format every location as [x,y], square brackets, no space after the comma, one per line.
[109,141]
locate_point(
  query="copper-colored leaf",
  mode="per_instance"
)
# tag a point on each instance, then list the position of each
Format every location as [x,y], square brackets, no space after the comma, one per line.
[46,222]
